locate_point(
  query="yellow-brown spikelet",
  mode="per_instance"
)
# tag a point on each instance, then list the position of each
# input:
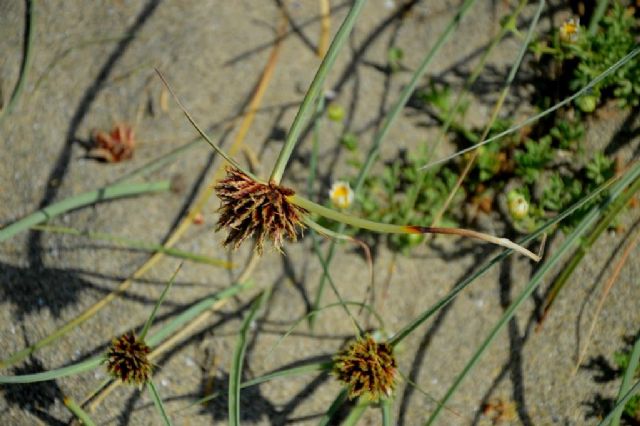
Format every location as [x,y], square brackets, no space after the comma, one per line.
[254,208]
[127,359]
[368,368]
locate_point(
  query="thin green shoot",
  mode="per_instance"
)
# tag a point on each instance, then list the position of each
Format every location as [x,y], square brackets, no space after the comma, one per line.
[152,316]
[292,328]
[77,411]
[157,401]
[620,403]
[314,90]
[235,374]
[81,367]
[634,361]
[613,68]
[136,245]
[26,60]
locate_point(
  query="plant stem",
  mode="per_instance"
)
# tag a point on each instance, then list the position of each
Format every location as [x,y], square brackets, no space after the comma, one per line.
[26,60]
[634,360]
[405,229]
[103,194]
[316,85]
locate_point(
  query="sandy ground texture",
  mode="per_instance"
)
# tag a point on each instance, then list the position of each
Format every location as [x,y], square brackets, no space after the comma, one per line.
[92,66]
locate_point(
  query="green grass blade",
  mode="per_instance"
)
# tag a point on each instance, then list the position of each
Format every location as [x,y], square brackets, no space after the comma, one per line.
[613,68]
[136,245]
[314,90]
[157,401]
[26,61]
[408,329]
[598,13]
[333,408]
[235,374]
[152,316]
[316,367]
[77,411]
[387,411]
[317,311]
[571,239]
[620,404]
[81,200]
[81,367]
[356,413]
[372,155]
[627,379]
[194,311]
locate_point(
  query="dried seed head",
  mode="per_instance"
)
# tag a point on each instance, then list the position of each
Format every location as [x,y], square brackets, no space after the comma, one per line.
[127,359]
[254,208]
[367,368]
[115,146]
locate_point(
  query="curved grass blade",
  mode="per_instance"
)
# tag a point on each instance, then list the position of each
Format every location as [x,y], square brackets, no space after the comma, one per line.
[409,328]
[202,133]
[333,408]
[91,197]
[571,239]
[26,60]
[136,245]
[405,229]
[235,374]
[613,68]
[157,401]
[152,316]
[78,368]
[629,373]
[620,404]
[314,89]
[77,411]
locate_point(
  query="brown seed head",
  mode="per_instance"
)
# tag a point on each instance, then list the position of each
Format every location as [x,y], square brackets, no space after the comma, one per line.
[127,359]
[367,368]
[254,208]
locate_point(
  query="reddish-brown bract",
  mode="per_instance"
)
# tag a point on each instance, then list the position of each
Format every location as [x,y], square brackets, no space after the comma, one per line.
[254,208]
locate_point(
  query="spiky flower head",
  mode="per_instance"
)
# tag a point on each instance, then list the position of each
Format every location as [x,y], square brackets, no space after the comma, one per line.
[255,208]
[127,359]
[368,368]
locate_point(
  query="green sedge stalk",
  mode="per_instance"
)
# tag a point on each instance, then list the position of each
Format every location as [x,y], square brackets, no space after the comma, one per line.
[77,411]
[613,68]
[406,229]
[91,197]
[314,90]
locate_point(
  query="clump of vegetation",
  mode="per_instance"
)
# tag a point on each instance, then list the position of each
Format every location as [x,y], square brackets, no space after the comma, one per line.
[546,165]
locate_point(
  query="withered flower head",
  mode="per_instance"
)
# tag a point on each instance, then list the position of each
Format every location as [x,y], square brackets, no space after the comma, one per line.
[127,359]
[254,208]
[115,146]
[367,368]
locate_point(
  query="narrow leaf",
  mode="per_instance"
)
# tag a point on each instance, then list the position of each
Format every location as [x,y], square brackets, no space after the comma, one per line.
[157,401]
